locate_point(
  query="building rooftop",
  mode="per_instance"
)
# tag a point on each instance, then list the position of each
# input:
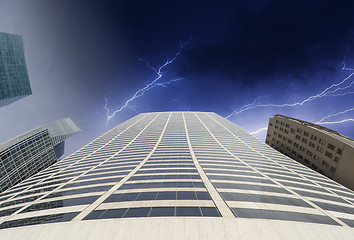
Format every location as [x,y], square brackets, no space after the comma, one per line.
[325,130]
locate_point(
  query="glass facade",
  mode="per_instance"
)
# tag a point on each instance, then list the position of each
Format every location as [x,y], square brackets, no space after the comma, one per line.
[33,151]
[14,81]
[177,165]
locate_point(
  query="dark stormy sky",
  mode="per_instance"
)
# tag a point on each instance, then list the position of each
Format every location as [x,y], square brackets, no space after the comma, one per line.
[251,53]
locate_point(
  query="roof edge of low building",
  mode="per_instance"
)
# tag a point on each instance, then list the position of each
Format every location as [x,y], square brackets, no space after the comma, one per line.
[315,126]
[19,138]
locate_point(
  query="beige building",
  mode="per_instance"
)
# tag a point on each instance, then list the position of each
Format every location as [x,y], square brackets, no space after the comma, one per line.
[322,149]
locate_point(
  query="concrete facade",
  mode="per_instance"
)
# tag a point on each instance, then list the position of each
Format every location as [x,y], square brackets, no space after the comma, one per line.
[317,147]
[177,175]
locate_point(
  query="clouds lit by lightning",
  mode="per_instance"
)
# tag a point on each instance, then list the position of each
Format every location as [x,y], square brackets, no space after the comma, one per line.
[339,89]
[331,91]
[155,83]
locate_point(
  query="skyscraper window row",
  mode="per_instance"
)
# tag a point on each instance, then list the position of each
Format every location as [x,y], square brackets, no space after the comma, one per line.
[107,173]
[35,192]
[18,201]
[222,161]
[159,195]
[103,169]
[311,194]
[347,195]
[249,186]
[222,165]
[95,190]
[301,186]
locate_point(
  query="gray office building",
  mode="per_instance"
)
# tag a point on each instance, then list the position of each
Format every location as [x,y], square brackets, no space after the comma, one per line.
[14,81]
[27,154]
[177,175]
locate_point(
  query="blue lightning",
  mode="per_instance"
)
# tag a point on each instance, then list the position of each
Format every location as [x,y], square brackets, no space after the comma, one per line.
[328,92]
[155,83]
[259,130]
[334,115]
[338,122]
[339,89]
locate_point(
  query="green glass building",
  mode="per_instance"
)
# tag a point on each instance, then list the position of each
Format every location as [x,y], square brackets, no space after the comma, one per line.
[14,81]
[33,151]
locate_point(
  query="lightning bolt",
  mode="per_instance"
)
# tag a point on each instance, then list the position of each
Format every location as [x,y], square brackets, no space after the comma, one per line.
[329,91]
[259,130]
[338,122]
[155,83]
[336,114]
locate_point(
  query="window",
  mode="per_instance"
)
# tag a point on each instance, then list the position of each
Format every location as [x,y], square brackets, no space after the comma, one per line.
[298,137]
[285,139]
[321,141]
[290,142]
[293,152]
[333,169]
[314,167]
[324,163]
[299,156]
[330,146]
[287,125]
[339,151]
[309,153]
[317,158]
[319,149]
[286,131]
[328,154]
[299,130]
[304,140]
[270,124]
[311,144]
[281,129]
[296,145]
[306,134]
[313,137]
[336,159]
[276,126]
[292,130]
[280,136]
[307,161]
[302,148]
[277,121]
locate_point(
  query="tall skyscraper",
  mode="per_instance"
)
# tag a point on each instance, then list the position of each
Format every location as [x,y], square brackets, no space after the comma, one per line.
[33,151]
[177,175]
[317,147]
[14,81]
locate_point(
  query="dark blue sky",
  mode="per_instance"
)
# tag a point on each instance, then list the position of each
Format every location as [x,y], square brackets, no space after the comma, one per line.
[273,51]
